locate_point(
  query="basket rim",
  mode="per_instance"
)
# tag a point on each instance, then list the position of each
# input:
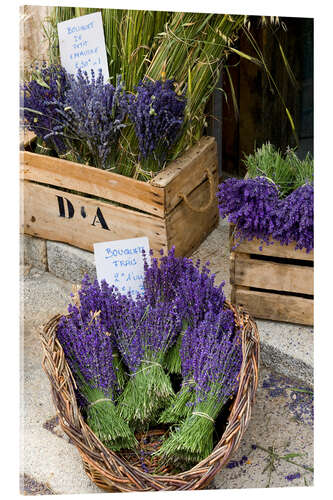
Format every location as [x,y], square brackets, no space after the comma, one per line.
[73,424]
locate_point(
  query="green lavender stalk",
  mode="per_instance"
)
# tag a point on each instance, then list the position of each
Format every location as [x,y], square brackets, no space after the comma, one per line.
[172,361]
[147,391]
[180,406]
[103,419]
[193,441]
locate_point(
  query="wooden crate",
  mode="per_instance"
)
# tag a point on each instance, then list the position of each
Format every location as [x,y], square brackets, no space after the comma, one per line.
[178,207]
[275,283]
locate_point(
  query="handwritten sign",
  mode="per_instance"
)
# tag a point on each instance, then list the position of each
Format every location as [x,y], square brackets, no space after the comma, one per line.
[121,263]
[82,45]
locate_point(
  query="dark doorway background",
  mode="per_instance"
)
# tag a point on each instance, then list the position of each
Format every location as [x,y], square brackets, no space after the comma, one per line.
[262,116]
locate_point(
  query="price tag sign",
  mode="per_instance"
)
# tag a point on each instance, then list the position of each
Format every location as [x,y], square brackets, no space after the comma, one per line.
[121,263]
[82,45]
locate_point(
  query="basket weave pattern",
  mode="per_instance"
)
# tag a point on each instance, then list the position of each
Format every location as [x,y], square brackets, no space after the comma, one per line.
[111,472]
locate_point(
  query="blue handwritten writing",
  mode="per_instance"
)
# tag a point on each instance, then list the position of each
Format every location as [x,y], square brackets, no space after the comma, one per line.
[75,29]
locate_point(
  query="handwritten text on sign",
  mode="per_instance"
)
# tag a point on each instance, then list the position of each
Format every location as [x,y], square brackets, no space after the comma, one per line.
[82,45]
[121,263]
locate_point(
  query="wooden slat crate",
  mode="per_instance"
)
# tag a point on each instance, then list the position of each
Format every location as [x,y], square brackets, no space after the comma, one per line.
[275,283]
[178,207]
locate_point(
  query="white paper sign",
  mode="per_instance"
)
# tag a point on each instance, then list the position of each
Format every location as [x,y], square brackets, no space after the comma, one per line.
[121,263]
[82,45]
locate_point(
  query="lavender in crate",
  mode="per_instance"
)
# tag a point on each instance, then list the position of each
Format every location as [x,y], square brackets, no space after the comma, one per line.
[144,337]
[89,353]
[157,113]
[93,115]
[40,100]
[212,357]
[294,219]
[251,205]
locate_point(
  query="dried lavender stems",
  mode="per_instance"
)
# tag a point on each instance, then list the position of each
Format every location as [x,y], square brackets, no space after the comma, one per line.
[81,118]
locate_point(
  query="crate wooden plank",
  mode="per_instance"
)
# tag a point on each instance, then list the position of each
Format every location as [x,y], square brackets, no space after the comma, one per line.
[91,180]
[186,229]
[81,221]
[26,138]
[187,172]
[274,306]
[272,276]
[275,250]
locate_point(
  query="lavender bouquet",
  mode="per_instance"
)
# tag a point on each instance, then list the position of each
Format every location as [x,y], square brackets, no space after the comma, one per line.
[213,359]
[180,405]
[180,281]
[40,99]
[259,210]
[143,339]
[93,115]
[89,353]
[157,113]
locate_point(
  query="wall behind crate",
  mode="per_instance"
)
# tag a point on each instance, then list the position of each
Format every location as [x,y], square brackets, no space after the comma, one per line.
[33,42]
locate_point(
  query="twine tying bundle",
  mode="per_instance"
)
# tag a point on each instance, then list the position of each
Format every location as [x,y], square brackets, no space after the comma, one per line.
[204,415]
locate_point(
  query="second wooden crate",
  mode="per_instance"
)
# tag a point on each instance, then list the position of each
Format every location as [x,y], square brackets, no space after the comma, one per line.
[274,283]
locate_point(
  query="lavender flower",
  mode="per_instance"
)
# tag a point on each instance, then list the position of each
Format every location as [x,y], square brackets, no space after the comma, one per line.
[40,99]
[251,205]
[178,280]
[157,113]
[256,208]
[143,339]
[213,362]
[93,114]
[294,219]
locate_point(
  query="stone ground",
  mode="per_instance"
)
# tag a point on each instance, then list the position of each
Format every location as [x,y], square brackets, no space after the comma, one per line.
[281,423]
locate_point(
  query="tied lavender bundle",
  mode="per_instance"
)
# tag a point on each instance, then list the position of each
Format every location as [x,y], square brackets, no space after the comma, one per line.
[251,205]
[157,113]
[93,115]
[40,100]
[294,219]
[144,337]
[180,406]
[89,353]
[192,290]
[214,362]
[105,298]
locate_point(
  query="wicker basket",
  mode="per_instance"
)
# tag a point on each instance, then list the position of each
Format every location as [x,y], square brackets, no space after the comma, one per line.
[113,472]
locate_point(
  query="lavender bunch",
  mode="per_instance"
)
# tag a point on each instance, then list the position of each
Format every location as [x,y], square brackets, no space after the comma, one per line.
[157,113]
[40,100]
[93,115]
[89,353]
[192,290]
[143,340]
[294,219]
[214,362]
[180,406]
[251,205]
[106,299]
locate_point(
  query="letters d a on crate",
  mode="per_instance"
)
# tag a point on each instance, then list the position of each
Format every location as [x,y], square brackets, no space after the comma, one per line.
[82,205]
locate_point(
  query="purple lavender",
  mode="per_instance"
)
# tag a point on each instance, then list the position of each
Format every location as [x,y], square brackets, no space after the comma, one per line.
[213,362]
[157,113]
[251,205]
[145,336]
[40,99]
[257,209]
[294,219]
[193,291]
[89,354]
[93,115]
